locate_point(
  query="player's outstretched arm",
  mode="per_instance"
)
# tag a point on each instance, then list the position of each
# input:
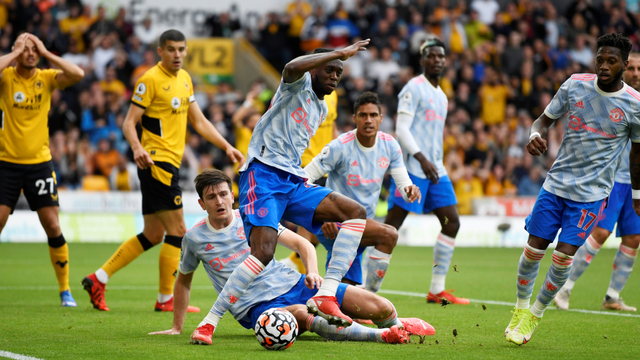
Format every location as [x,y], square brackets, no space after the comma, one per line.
[296,68]
[71,73]
[17,49]
[634,169]
[181,295]
[307,253]
[205,128]
[140,155]
[537,144]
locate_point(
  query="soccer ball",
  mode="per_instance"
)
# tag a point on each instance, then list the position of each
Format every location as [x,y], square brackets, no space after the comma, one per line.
[276,329]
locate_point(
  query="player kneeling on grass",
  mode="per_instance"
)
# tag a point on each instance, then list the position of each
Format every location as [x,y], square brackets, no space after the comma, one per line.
[356,163]
[220,243]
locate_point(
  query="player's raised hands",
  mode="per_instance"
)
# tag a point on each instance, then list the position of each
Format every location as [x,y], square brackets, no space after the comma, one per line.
[330,230]
[20,43]
[142,158]
[353,49]
[171,331]
[42,50]
[413,193]
[537,146]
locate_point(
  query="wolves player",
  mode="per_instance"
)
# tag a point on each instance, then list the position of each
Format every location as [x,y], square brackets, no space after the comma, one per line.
[620,210]
[356,163]
[604,113]
[273,187]
[422,110]
[219,242]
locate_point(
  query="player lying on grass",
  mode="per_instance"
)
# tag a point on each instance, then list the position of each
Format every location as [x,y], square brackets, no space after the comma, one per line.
[356,163]
[604,114]
[219,242]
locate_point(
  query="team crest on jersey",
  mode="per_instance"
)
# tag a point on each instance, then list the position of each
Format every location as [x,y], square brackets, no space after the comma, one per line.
[177,200]
[175,103]
[262,212]
[383,162]
[141,89]
[39,85]
[186,85]
[616,115]
[19,97]
[325,152]
[240,231]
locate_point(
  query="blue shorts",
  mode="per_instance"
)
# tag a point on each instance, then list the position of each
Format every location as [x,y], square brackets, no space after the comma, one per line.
[620,210]
[268,195]
[355,271]
[298,295]
[434,196]
[551,212]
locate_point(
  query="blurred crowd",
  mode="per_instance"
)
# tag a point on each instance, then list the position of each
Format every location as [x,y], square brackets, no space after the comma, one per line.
[504,63]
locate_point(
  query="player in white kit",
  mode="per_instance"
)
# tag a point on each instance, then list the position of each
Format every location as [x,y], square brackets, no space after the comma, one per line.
[219,242]
[422,111]
[355,163]
[604,114]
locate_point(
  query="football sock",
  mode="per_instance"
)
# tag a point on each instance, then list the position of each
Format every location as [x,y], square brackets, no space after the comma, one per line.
[442,254]
[355,332]
[528,267]
[59,255]
[235,287]
[169,261]
[556,277]
[211,318]
[344,251]
[377,266]
[389,321]
[581,261]
[126,253]
[622,266]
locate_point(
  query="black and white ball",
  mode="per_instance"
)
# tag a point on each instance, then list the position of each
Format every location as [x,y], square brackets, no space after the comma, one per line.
[276,329]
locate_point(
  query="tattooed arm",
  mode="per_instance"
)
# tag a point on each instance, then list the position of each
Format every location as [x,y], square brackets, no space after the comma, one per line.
[634,169]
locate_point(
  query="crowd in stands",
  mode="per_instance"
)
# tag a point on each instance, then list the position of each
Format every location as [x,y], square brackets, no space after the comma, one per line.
[504,64]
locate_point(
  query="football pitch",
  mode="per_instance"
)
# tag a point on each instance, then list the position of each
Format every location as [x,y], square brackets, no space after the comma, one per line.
[33,324]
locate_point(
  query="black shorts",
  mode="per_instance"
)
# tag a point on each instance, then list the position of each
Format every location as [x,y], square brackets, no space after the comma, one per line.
[37,181]
[159,187]
[322,181]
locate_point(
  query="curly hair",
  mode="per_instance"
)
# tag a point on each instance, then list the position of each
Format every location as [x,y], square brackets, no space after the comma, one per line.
[617,41]
[367,97]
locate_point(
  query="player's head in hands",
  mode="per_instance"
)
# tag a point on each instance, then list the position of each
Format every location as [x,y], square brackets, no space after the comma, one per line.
[432,58]
[216,197]
[612,58]
[172,48]
[632,75]
[30,57]
[326,77]
[367,114]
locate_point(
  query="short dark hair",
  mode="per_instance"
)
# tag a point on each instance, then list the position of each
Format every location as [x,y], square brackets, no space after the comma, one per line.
[321,50]
[171,35]
[367,97]
[210,177]
[431,43]
[617,41]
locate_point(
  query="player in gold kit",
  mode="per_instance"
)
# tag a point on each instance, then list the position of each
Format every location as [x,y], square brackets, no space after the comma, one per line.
[163,101]
[25,159]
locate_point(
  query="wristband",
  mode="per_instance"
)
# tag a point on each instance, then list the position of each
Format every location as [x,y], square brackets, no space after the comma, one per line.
[534,135]
[635,194]
[247,104]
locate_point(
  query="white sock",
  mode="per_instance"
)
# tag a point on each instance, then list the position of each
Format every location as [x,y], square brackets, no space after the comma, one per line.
[211,318]
[163,298]
[612,293]
[522,303]
[102,276]
[569,285]
[538,308]
[329,288]
[437,284]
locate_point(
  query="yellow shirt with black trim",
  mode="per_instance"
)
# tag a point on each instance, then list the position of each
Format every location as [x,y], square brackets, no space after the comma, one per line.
[165,99]
[24,124]
[324,135]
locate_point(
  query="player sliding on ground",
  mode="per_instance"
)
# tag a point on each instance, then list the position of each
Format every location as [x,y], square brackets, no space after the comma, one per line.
[356,163]
[273,185]
[620,211]
[25,159]
[163,100]
[219,242]
[604,113]
[422,111]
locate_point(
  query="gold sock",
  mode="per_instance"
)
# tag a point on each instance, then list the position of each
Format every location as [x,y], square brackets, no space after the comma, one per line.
[169,262]
[298,261]
[126,253]
[60,261]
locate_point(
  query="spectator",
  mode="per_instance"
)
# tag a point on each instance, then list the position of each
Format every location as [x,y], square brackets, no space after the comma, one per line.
[493,97]
[111,84]
[124,177]
[467,188]
[75,26]
[530,185]
[245,120]
[486,9]
[222,25]
[384,68]
[314,31]
[124,68]
[146,33]
[105,51]
[105,159]
[101,26]
[582,54]
[477,32]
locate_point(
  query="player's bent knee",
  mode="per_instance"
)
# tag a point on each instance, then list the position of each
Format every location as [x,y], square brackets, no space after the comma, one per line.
[389,236]
[632,241]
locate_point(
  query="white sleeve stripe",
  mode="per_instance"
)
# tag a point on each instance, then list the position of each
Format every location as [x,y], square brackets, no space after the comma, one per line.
[635,141]
[403,130]
[402,180]
[402,111]
[313,170]
[546,112]
[192,98]
[186,272]
[281,229]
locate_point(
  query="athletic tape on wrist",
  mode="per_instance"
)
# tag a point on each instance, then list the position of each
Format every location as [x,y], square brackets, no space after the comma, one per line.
[635,194]
[534,135]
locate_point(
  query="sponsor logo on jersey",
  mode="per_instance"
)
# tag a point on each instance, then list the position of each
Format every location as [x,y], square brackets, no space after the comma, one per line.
[579,104]
[19,97]
[141,89]
[575,123]
[209,247]
[175,102]
[355,163]
[353,180]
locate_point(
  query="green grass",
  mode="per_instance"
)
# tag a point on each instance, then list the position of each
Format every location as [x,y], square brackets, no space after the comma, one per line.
[32,322]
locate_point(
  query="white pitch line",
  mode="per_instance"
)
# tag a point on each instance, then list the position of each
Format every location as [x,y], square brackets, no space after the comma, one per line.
[506,303]
[11,355]
[391,292]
